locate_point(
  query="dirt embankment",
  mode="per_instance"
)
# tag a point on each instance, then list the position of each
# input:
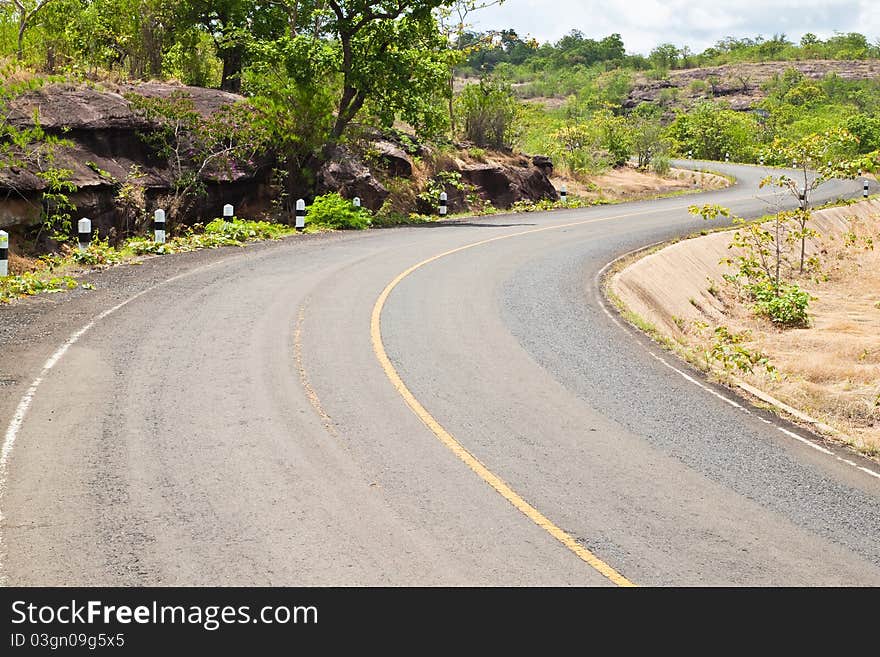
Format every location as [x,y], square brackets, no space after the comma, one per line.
[631,184]
[829,370]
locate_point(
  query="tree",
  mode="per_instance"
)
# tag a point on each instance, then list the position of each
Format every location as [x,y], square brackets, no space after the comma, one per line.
[664,56]
[393,54]
[712,132]
[490,113]
[647,133]
[613,135]
[341,61]
[26,12]
[452,19]
[818,158]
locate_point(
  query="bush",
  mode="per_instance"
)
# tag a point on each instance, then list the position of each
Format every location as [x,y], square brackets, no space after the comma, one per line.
[660,165]
[98,253]
[30,283]
[491,114]
[785,305]
[333,211]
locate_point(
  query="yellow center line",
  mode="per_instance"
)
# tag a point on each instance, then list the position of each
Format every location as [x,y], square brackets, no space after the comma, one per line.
[450,441]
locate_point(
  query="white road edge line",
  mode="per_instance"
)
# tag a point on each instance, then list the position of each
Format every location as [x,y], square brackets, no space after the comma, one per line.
[614,318]
[24,404]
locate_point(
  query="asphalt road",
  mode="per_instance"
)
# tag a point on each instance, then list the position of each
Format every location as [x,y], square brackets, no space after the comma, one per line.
[237,421]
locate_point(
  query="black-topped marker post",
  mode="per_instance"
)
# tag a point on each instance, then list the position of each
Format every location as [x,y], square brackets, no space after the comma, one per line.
[301,215]
[159,226]
[4,253]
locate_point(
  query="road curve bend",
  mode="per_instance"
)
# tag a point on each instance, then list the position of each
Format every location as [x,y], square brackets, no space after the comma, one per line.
[438,405]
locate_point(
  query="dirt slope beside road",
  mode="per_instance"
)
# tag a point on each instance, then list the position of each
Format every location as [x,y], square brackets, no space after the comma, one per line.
[831,369]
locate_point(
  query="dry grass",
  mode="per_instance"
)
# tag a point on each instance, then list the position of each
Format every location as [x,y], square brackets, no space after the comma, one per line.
[830,370]
[629,183]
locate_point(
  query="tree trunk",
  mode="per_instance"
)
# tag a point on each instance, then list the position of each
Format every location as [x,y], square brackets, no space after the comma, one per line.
[232,64]
[20,51]
[452,105]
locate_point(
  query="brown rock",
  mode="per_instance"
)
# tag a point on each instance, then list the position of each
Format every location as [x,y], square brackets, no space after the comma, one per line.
[505,185]
[345,174]
[394,159]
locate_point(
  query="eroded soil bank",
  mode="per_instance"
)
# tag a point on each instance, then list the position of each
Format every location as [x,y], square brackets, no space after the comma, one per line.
[829,370]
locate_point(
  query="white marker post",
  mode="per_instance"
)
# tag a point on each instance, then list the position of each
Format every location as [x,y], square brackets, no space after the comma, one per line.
[727,157]
[356,201]
[443,208]
[228,212]
[4,253]
[865,188]
[159,226]
[690,155]
[84,228]
[300,215]
[563,194]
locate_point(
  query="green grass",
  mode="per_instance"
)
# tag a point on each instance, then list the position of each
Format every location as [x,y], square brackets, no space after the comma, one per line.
[54,273]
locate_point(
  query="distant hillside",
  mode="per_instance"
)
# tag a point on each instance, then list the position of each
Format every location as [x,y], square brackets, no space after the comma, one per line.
[740,85]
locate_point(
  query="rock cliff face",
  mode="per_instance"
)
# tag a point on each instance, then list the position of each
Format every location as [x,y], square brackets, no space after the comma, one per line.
[103,131]
[106,143]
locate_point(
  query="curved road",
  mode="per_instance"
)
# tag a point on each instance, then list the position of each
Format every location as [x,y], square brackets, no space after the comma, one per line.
[246,417]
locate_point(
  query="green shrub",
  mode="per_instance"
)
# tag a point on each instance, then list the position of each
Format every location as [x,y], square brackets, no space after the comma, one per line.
[333,211]
[728,350]
[246,231]
[30,283]
[98,253]
[785,305]
[491,114]
[660,165]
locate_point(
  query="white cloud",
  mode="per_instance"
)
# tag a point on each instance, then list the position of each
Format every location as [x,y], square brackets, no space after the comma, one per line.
[643,24]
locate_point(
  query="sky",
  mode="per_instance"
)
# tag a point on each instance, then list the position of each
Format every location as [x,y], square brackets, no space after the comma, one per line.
[644,24]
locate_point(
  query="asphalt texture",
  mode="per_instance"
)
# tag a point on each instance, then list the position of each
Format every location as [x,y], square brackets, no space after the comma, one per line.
[232,425]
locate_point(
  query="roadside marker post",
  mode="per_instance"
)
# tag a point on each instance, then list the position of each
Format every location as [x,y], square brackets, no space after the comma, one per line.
[159,226]
[4,253]
[300,215]
[443,208]
[356,201]
[690,155]
[865,188]
[727,157]
[563,194]
[84,230]
[228,212]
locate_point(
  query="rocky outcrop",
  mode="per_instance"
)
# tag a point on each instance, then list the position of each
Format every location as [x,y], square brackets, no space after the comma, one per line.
[544,163]
[740,85]
[505,185]
[105,146]
[346,174]
[393,159]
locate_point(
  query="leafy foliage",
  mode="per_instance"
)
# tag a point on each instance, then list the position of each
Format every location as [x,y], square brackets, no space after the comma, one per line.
[729,350]
[334,211]
[490,113]
[31,283]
